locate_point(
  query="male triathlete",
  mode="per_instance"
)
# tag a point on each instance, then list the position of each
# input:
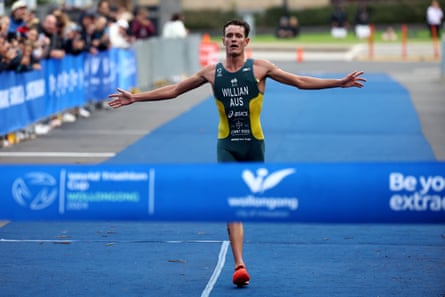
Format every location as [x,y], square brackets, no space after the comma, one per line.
[238,85]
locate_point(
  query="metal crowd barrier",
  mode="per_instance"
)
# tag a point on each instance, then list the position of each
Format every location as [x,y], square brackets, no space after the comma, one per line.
[166,60]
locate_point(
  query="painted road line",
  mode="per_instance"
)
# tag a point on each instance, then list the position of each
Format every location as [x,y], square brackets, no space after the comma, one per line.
[107,132]
[11,240]
[218,268]
[57,154]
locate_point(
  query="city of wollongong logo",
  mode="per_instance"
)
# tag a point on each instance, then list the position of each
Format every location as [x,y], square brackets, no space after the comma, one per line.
[36,190]
[259,182]
[262,181]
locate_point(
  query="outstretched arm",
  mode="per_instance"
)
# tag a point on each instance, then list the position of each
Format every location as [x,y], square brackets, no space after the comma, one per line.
[354,79]
[123,97]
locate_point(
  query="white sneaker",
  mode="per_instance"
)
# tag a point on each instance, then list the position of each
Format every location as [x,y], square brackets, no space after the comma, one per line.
[84,113]
[4,143]
[68,118]
[21,136]
[106,106]
[41,129]
[56,122]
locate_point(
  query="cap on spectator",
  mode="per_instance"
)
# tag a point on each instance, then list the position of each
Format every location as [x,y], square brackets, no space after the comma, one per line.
[122,23]
[17,5]
[90,13]
[73,27]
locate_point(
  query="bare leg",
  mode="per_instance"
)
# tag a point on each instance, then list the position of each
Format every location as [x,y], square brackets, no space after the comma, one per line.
[236,236]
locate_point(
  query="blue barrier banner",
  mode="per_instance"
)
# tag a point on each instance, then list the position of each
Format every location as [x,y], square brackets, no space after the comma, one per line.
[64,83]
[35,91]
[100,75]
[325,193]
[73,90]
[22,99]
[125,62]
[73,81]
[51,69]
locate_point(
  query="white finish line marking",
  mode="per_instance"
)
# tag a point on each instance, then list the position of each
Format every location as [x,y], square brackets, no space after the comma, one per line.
[219,266]
[57,154]
[6,240]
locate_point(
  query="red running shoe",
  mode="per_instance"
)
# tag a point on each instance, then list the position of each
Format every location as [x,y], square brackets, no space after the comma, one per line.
[240,276]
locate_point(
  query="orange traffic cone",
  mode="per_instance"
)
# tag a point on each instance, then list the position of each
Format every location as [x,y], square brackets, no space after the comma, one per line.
[300,54]
[205,38]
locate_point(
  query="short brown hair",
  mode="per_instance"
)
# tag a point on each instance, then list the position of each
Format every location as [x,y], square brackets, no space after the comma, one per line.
[240,23]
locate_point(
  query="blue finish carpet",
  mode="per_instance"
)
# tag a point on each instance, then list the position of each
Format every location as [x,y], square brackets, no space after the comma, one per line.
[377,123]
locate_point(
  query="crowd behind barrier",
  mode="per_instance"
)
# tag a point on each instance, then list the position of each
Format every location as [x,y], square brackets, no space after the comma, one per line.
[58,63]
[74,81]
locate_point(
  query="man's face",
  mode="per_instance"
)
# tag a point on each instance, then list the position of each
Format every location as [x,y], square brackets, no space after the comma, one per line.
[50,24]
[4,28]
[20,13]
[234,40]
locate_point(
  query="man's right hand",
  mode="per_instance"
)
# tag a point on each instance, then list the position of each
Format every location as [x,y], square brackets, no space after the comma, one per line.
[120,98]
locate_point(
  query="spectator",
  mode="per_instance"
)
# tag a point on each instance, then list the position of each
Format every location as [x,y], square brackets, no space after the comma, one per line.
[362,21]
[10,55]
[73,43]
[87,27]
[104,9]
[63,21]
[40,43]
[123,13]
[142,27]
[28,61]
[339,22]
[4,25]
[17,20]
[118,34]
[282,30]
[175,27]
[31,19]
[434,18]
[50,30]
[288,27]
[100,37]
[294,26]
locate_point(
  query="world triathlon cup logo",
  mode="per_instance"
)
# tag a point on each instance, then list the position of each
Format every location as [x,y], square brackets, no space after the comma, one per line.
[36,191]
